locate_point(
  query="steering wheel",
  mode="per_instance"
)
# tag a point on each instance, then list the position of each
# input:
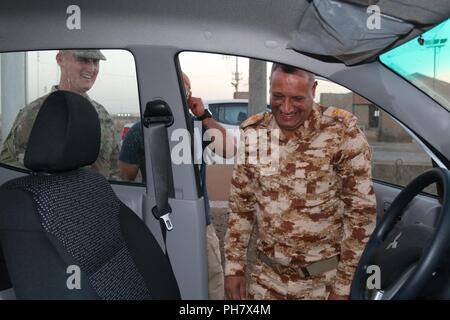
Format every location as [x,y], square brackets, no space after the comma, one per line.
[415,277]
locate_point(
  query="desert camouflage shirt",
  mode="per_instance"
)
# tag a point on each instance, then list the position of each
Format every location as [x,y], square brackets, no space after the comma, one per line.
[316,203]
[14,146]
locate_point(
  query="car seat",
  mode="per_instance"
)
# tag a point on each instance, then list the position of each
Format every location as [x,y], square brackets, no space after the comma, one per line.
[64,216]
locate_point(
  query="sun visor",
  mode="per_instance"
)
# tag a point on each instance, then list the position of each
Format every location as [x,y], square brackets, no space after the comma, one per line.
[350,33]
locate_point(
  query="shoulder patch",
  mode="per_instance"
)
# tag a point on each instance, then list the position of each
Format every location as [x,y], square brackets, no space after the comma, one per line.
[254,119]
[341,115]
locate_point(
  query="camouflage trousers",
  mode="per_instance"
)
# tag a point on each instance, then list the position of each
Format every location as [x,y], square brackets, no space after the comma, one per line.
[266,284]
[216,290]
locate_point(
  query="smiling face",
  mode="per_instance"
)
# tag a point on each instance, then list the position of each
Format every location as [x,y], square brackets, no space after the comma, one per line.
[77,74]
[291,98]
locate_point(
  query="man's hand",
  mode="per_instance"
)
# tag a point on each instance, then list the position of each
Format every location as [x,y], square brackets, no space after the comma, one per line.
[235,287]
[223,143]
[128,171]
[196,106]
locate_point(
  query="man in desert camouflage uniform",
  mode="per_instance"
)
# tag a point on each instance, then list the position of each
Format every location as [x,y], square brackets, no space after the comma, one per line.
[314,206]
[79,69]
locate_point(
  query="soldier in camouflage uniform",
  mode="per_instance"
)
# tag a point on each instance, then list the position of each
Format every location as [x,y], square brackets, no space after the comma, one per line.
[314,206]
[79,69]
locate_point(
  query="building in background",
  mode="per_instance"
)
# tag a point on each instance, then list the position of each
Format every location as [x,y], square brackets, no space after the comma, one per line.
[377,126]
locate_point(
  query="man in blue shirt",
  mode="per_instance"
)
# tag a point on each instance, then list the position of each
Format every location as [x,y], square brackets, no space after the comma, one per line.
[132,155]
[132,159]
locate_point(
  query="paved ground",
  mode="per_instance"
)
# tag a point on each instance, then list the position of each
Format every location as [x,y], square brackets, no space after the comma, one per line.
[392,152]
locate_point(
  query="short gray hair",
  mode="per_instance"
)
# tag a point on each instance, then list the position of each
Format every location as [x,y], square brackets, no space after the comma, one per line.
[290,69]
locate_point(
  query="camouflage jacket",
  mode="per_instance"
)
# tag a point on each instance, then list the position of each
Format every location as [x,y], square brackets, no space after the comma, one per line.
[318,202]
[15,144]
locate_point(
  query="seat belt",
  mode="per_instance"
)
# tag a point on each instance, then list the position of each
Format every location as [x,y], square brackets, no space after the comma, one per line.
[157,118]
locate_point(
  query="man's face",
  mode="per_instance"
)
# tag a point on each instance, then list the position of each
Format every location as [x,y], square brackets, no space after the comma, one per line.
[291,98]
[77,74]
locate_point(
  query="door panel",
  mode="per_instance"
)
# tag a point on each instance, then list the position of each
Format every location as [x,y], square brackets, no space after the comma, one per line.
[186,244]
[131,196]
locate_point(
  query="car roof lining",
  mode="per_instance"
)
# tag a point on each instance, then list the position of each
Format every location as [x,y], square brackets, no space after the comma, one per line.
[352,32]
[293,23]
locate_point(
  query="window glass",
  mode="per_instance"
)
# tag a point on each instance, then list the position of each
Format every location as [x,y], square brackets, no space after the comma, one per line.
[110,84]
[229,113]
[221,80]
[424,62]
[396,157]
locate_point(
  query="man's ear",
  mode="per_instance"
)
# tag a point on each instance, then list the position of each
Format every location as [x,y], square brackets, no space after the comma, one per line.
[60,59]
[314,89]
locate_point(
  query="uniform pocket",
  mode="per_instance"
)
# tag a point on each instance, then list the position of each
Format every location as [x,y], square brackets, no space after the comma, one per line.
[319,181]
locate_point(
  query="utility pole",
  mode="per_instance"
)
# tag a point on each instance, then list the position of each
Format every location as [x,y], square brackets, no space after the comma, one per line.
[436,44]
[37,72]
[257,87]
[236,77]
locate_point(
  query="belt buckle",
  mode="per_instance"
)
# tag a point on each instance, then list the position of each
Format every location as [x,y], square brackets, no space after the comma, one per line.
[303,273]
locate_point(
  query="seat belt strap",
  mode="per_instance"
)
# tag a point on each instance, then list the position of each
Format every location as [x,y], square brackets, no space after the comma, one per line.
[157,118]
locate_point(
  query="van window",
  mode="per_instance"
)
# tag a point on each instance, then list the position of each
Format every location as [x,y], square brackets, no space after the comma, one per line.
[229,112]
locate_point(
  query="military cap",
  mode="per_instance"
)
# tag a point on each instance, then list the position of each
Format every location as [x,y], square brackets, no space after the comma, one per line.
[85,53]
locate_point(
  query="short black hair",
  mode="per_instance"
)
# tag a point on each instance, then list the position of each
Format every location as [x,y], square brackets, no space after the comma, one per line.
[291,69]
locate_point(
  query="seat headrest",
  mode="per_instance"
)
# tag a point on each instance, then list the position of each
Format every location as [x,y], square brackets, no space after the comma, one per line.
[65,135]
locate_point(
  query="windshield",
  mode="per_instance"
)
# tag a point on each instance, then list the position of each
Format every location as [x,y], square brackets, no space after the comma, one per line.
[425,62]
